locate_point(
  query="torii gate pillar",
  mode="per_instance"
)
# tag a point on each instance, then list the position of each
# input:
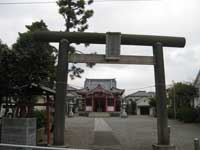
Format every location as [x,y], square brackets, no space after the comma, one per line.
[159,71]
[61,88]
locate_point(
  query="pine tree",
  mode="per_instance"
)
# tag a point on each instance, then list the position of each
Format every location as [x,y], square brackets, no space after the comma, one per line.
[76,18]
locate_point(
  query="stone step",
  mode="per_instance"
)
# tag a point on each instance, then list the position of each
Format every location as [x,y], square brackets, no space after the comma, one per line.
[99,114]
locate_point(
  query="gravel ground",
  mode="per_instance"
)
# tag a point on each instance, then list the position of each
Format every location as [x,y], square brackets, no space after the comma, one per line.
[140,132]
[182,134]
[79,132]
[133,133]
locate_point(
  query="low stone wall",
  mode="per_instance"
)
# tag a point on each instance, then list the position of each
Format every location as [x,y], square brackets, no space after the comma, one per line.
[18,131]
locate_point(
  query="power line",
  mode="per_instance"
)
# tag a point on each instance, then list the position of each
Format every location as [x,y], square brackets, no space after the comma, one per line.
[53,2]
[147,87]
[141,88]
[22,3]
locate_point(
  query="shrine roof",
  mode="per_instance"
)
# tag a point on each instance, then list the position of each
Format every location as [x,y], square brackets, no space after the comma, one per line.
[105,83]
[141,94]
[70,88]
[116,90]
[99,88]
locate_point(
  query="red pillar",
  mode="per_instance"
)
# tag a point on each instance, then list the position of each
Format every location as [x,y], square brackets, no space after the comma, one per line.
[92,103]
[106,103]
[114,103]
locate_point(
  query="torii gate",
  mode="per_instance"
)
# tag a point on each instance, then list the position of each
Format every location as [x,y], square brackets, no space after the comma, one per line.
[113,42]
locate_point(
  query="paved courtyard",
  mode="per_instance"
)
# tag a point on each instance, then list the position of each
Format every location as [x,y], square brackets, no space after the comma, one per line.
[133,133]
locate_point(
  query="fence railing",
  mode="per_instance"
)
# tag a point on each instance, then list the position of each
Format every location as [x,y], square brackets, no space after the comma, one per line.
[25,147]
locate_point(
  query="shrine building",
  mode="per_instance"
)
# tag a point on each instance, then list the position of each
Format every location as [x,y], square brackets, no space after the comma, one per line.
[101,95]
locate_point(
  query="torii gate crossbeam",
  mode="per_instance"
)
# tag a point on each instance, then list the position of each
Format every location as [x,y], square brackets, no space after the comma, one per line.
[157,42]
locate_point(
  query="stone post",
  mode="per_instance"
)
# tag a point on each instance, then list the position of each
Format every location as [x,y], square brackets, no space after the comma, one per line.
[196,144]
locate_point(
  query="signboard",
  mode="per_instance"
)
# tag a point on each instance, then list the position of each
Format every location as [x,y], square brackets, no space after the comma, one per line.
[113,42]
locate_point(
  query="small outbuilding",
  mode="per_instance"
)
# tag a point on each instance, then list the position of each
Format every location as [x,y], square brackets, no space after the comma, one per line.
[141,99]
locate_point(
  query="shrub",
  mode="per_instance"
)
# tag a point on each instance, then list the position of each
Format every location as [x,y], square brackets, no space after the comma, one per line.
[114,114]
[198,115]
[40,115]
[187,114]
[129,109]
[170,113]
[84,114]
[133,105]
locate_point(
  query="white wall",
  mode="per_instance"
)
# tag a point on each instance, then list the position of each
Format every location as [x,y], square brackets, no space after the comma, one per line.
[138,110]
[110,108]
[143,102]
[88,108]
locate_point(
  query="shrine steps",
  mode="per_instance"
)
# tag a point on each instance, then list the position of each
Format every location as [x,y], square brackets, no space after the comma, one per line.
[99,114]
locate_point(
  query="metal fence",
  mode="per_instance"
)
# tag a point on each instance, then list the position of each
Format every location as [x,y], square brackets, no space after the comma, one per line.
[27,147]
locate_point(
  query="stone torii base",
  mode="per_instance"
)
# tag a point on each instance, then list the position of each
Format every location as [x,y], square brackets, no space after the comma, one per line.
[163,147]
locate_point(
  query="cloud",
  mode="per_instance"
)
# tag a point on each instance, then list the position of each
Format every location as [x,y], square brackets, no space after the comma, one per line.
[160,17]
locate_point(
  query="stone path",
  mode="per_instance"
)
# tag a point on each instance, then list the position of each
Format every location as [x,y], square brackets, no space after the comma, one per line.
[103,135]
[133,133]
[101,125]
[79,132]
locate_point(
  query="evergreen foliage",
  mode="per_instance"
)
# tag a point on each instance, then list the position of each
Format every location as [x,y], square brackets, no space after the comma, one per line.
[26,62]
[76,17]
[183,94]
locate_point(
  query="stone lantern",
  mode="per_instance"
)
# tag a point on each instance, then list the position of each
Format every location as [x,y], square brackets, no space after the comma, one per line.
[123,109]
[71,114]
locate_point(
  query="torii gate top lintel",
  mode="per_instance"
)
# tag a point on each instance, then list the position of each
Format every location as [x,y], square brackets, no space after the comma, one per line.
[113,42]
[100,38]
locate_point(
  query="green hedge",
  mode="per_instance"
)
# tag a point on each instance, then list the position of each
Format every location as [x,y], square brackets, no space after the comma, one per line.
[198,115]
[187,114]
[83,114]
[115,114]
[170,113]
[40,115]
[131,108]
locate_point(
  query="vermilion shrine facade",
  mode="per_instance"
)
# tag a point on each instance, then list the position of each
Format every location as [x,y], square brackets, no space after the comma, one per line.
[101,95]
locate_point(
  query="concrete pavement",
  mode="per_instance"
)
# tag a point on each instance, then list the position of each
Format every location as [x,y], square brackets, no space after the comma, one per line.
[133,133]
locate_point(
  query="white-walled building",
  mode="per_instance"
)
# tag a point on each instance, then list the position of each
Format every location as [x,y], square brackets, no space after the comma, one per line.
[142,99]
[197,85]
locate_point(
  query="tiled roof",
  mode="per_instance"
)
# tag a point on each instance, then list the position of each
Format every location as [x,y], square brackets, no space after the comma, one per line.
[141,94]
[116,90]
[70,88]
[105,83]
[99,88]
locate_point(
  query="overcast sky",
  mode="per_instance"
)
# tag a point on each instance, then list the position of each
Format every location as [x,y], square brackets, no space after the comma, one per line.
[156,17]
